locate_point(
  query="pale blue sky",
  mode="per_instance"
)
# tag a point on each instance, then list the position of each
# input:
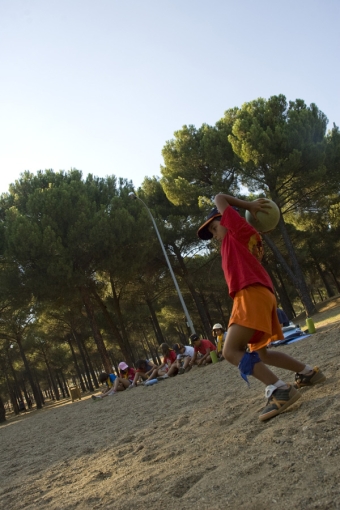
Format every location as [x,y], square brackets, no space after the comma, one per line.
[100,85]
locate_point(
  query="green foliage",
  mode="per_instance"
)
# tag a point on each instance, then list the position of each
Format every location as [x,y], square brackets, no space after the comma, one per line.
[198,162]
[282,147]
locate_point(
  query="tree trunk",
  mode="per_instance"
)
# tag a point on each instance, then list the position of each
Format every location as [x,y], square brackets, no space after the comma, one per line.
[17,388]
[95,330]
[50,375]
[11,395]
[282,293]
[154,320]
[36,380]
[65,385]
[86,367]
[154,357]
[206,308]
[218,305]
[123,344]
[23,386]
[2,411]
[312,296]
[114,363]
[75,361]
[319,292]
[89,361]
[199,305]
[287,300]
[119,316]
[29,375]
[297,276]
[60,384]
[329,290]
[337,283]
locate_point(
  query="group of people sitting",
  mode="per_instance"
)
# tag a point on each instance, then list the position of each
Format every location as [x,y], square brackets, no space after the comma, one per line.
[176,360]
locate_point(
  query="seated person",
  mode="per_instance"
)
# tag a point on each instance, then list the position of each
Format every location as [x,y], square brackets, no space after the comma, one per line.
[169,366]
[125,379]
[185,353]
[202,346]
[144,369]
[108,380]
[220,334]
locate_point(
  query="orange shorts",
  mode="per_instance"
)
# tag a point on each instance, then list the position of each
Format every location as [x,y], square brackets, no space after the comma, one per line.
[255,308]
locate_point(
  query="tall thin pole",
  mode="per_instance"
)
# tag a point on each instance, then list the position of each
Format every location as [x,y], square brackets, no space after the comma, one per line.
[189,321]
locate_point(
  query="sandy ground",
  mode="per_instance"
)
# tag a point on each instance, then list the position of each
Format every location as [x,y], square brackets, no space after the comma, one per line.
[193,441]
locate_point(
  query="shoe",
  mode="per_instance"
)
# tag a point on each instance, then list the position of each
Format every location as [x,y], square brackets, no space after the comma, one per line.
[278,402]
[96,398]
[315,377]
[162,377]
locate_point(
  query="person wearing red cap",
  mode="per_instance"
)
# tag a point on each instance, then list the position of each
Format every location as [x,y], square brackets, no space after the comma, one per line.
[253,321]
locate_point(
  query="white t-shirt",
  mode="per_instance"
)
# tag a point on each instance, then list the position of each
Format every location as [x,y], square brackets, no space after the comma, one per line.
[189,351]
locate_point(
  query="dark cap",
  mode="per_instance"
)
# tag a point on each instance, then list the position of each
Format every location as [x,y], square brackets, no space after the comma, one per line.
[203,232]
[194,337]
[177,348]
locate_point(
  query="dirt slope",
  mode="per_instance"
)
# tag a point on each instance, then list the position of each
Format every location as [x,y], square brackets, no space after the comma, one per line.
[190,442]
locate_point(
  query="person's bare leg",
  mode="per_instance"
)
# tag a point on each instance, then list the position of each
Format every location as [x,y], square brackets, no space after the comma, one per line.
[186,362]
[280,395]
[153,374]
[172,369]
[123,384]
[115,384]
[280,360]
[234,349]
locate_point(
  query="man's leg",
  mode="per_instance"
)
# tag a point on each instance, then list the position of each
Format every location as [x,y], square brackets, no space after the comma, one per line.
[280,360]
[280,395]
[234,349]
[305,375]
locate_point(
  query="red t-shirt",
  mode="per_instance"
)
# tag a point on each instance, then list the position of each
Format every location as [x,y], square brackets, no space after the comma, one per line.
[205,344]
[130,374]
[242,253]
[171,358]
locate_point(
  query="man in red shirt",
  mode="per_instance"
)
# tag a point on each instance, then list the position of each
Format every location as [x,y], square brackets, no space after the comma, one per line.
[202,346]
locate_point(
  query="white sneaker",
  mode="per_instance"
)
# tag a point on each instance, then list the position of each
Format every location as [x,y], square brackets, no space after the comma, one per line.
[162,377]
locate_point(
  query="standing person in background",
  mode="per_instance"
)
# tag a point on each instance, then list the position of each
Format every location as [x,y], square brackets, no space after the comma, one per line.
[220,334]
[202,346]
[253,320]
